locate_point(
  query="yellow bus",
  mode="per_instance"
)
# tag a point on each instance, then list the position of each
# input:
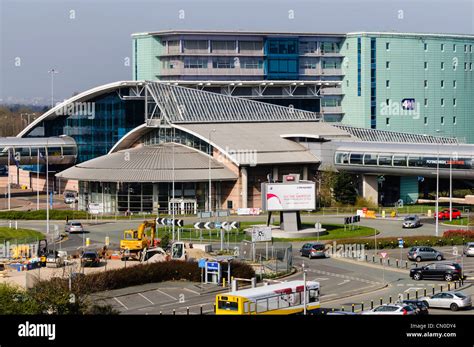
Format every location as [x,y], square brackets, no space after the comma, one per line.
[282,298]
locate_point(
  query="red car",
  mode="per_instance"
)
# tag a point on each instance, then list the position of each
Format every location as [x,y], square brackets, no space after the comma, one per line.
[456,214]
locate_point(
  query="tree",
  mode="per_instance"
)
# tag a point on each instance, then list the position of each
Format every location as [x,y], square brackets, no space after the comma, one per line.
[344,188]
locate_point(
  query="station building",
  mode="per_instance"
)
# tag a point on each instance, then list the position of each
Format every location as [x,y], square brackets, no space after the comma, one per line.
[148,146]
[415,83]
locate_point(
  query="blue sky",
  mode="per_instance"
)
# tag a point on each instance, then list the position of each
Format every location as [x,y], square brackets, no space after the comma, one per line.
[89,41]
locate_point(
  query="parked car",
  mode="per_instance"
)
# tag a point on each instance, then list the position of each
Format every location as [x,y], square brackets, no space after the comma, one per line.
[452,300]
[56,259]
[90,258]
[69,197]
[420,253]
[446,271]
[421,307]
[469,249]
[411,222]
[313,250]
[392,309]
[444,214]
[73,227]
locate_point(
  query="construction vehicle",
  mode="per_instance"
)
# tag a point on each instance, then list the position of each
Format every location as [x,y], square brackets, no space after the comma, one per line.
[135,242]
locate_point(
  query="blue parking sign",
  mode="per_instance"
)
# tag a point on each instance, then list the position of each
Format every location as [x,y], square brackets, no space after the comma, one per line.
[400,243]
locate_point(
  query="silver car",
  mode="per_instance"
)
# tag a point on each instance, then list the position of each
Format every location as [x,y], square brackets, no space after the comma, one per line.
[392,309]
[452,300]
[420,253]
[469,249]
[411,222]
[73,227]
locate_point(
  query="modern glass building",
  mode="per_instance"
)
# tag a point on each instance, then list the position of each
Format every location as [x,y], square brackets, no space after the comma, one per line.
[406,82]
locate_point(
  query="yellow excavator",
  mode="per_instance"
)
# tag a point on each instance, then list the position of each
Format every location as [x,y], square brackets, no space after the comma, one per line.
[135,242]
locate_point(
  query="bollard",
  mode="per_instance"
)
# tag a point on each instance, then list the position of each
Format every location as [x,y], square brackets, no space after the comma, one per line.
[449,287]
[187,311]
[200,310]
[455,285]
[174,311]
[214,308]
[380,261]
[371,304]
[433,290]
[333,309]
[416,294]
[397,262]
[424,292]
[362,306]
[390,299]
[381,300]
[441,288]
[408,296]
[373,259]
[366,257]
[406,265]
[352,309]
[388,261]
[342,309]
[161,313]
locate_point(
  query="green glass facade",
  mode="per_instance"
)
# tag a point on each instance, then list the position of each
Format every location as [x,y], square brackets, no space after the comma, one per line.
[420,84]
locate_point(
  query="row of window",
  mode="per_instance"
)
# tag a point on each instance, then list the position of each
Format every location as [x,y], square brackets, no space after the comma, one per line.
[467,48]
[425,83]
[19,152]
[388,102]
[308,47]
[425,120]
[217,63]
[401,160]
[220,46]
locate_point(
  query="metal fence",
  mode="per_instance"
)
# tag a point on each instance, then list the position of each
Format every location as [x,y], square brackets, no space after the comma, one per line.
[276,257]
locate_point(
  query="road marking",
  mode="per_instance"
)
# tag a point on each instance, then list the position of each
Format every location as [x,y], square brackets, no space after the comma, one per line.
[412,288]
[321,279]
[121,303]
[170,296]
[144,297]
[343,282]
[401,285]
[328,295]
[192,291]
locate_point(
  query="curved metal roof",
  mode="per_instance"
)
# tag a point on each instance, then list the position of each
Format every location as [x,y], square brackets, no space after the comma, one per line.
[151,164]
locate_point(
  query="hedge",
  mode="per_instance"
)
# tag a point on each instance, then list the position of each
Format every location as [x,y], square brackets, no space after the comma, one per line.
[141,274]
[466,234]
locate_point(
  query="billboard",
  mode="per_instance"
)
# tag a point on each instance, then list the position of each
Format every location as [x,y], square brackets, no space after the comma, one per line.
[288,196]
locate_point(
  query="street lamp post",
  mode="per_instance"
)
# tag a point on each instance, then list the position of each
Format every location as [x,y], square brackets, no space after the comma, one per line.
[52,72]
[210,156]
[437,194]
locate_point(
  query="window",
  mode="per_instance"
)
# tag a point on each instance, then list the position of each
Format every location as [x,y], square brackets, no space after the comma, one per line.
[454,83]
[387,83]
[347,45]
[308,47]
[195,63]
[195,46]
[347,83]
[342,158]
[454,120]
[385,159]
[442,47]
[250,63]
[465,66]
[310,64]
[442,120]
[454,47]
[223,63]
[370,159]
[387,65]
[442,83]
[387,46]
[356,158]
[426,83]
[250,46]
[426,65]
[399,160]
[426,102]
[465,48]
[415,161]
[425,46]
[223,46]
[470,48]
[387,121]
[470,66]
[173,47]
[425,120]
[454,102]
[442,102]
[442,65]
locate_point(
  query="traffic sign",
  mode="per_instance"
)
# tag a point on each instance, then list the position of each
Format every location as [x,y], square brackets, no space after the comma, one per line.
[168,221]
[383,254]
[260,234]
[212,266]
[202,263]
